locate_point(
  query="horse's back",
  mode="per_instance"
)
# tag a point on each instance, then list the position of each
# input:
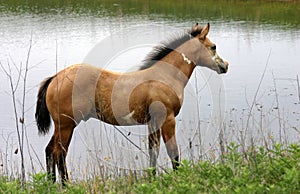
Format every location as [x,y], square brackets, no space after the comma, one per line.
[71,94]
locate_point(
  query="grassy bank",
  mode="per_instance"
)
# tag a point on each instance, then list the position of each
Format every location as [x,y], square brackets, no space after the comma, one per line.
[277,13]
[258,170]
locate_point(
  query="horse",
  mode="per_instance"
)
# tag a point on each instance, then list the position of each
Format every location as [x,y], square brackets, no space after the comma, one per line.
[152,95]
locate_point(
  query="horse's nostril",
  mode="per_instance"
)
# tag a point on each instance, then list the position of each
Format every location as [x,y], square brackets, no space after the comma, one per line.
[223,70]
[223,67]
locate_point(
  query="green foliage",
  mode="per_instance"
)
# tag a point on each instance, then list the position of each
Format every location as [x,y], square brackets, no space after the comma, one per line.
[7,186]
[40,184]
[275,12]
[258,170]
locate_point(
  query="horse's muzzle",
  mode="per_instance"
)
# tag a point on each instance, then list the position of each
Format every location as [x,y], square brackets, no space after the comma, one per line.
[223,67]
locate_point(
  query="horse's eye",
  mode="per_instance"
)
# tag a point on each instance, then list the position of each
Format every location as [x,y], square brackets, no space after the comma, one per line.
[214,47]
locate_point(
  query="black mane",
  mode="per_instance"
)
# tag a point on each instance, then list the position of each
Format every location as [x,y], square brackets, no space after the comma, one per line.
[164,48]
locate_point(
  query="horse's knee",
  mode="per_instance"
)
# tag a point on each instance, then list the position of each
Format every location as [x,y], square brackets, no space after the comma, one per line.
[172,150]
[168,132]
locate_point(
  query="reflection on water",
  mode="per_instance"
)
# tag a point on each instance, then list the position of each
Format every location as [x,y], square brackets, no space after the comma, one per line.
[250,41]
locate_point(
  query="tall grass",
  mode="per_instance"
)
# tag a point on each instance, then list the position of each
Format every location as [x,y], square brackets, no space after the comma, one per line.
[272,170]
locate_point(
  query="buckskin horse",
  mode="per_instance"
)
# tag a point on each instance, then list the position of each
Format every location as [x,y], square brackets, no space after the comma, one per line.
[153,95]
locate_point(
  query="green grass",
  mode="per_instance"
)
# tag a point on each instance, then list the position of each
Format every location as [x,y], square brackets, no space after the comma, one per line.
[278,13]
[258,170]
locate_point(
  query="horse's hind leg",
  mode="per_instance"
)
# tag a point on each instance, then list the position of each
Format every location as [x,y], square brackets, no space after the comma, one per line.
[62,141]
[168,133]
[50,162]
[62,167]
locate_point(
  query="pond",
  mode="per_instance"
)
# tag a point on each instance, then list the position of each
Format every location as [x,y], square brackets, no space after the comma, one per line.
[258,97]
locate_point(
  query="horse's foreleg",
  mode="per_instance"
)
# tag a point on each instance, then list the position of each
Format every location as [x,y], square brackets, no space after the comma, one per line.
[50,163]
[154,143]
[168,133]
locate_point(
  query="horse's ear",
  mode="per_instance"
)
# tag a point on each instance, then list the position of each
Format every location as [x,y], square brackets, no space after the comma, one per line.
[204,32]
[195,28]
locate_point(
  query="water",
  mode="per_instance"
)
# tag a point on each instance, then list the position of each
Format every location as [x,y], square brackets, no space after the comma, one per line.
[67,34]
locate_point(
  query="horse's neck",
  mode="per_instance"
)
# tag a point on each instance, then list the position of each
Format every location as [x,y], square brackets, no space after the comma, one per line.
[182,62]
[187,56]
[177,66]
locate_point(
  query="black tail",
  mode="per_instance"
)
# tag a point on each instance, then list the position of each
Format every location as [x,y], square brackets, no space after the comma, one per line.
[42,115]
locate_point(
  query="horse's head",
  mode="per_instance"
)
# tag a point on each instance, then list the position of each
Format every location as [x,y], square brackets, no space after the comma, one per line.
[208,59]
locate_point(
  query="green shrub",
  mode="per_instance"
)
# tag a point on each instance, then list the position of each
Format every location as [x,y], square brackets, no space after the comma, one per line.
[258,170]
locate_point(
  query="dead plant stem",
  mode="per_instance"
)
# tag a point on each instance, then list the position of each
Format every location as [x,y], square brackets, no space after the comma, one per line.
[254,99]
[278,108]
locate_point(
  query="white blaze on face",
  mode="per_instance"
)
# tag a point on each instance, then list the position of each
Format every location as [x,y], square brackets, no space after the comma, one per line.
[215,57]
